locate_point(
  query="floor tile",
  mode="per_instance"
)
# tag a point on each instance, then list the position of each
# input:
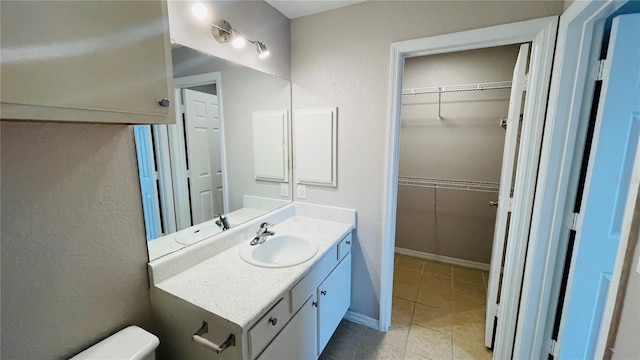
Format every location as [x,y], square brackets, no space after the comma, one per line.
[397,335]
[401,311]
[435,291]
[432,318]
[471,350]
[344,343]
[437,268]
[372,348]
[406,275]
[405,290]
[469,290]
[466,274]
[409,262]
[409,356]
[429,343]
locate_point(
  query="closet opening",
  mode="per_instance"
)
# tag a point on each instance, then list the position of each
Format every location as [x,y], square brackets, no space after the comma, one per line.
[461,118]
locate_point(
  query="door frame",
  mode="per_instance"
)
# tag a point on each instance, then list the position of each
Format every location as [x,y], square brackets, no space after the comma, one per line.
[208,79]
[542,34]
[570,97]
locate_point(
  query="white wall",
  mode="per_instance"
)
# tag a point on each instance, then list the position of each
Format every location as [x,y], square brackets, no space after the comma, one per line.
[341,58]
[73,246]
[244,90]
[256,19]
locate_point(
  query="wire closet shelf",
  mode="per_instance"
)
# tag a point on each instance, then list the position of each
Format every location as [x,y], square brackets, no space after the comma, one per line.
[499,90]
[450,184]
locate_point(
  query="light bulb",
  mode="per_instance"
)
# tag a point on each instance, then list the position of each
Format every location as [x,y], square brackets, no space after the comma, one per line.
[199,11]
[238,41]
[262,50]
[264,54]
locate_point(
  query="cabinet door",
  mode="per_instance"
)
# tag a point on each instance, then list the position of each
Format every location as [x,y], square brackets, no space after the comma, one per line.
[103,61]
[334,298]
[298,339]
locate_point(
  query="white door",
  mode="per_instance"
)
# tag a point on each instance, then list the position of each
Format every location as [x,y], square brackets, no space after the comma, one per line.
[609,176]
[505,196]
[202,123]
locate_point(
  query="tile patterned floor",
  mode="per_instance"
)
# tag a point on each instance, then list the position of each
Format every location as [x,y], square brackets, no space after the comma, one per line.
[438,313]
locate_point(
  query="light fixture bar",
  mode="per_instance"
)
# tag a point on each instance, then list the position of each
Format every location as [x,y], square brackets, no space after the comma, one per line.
[224,33]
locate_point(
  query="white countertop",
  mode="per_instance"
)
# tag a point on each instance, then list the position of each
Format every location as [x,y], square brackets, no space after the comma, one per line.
[232,289]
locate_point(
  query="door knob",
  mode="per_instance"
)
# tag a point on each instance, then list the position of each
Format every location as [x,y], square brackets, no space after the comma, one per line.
[493,203]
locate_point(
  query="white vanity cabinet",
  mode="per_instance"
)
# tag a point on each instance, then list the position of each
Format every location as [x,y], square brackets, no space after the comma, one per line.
[334,298]
[310,329]
[86,61]
[299,339]
[272,313]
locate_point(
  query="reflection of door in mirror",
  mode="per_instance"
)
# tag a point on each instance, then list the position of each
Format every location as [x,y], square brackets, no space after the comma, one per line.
[180,166]
[202,124]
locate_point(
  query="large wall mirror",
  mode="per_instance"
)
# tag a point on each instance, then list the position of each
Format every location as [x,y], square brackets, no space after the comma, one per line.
[226,161]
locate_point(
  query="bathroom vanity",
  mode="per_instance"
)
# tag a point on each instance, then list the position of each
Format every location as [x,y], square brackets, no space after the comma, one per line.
[254,312]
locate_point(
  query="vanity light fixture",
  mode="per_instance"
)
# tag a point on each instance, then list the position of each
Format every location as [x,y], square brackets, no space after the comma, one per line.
[224,33]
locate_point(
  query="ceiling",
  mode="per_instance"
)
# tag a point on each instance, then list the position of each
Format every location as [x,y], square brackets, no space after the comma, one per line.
[298,8]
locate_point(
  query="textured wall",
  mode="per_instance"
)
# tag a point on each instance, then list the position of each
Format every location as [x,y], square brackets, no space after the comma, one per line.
[256,20]
[73,245]
[466,145]
[341,58]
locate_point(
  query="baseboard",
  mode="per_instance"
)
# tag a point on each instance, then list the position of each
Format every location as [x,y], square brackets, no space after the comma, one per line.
[362,319]
[444,259]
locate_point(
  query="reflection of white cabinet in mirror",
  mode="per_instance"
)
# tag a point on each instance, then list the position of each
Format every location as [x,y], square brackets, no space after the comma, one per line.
[270,145]
[315,142]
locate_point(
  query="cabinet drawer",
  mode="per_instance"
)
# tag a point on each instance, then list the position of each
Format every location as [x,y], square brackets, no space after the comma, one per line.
[268,327]
[344,247]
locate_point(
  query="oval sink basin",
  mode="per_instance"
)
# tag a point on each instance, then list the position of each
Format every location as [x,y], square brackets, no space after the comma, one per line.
[279,251]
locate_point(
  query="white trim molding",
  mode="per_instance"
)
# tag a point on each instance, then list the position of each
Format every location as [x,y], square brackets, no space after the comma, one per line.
[361,319]
[541,33]
[570,98]
[443,259]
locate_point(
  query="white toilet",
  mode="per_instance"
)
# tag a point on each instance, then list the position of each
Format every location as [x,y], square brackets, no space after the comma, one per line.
[132,343]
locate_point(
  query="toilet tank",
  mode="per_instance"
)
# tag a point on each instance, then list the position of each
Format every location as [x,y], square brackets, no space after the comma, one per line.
[132,343]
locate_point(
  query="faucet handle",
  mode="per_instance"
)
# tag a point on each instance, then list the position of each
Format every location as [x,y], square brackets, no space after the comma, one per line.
[264,225]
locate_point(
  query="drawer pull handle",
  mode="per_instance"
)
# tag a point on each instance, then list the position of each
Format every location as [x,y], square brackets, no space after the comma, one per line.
[198,339]
[323,292]
[315,303]
[348,242]
[273,321]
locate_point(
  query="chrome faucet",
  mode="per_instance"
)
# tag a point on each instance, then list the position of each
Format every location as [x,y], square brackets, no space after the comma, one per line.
[261,235]
[222,222]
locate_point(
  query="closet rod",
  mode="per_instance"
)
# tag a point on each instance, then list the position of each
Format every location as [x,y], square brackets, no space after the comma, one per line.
[455,88]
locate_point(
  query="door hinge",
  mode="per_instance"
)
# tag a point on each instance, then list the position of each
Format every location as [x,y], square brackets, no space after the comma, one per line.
[510,204]
[553,349]
[601,66]
[526,82]
[575,219]
[496,309]
[183,109]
